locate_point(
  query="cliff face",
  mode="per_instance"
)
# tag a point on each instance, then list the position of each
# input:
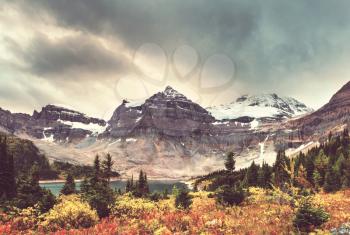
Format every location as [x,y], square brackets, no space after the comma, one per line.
[51,113]
[168,112]
[52,123]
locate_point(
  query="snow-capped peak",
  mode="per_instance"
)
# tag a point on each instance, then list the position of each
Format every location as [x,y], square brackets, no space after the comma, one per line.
[260,106]
[169,92]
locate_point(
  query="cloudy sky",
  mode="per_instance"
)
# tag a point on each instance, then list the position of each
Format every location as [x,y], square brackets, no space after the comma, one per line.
[91,54]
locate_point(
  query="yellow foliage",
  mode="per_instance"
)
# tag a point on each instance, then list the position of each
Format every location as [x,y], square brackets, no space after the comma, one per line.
[128,207]
[70,212]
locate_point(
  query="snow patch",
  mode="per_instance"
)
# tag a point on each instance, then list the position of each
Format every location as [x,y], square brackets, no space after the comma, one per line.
[93,127]
[220,123]
[254,124]
[134,103]
[48,138]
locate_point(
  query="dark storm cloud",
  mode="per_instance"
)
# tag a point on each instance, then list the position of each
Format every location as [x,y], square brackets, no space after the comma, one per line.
[69,54]
[272,42]
[158,21]
[267,39]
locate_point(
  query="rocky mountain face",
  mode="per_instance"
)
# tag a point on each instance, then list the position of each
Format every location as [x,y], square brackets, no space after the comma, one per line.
[333,116]
[261,107]
[52,123]
[170,136]
[167,113]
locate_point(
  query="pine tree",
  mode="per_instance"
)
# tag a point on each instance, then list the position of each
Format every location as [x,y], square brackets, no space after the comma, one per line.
[3,168]
[69,186]
[97,170]
[230,162]
[321,163]
[345,179]
[7,172]
[252,175]
[165,193]
[142,188]
[11,193]
[345,138]
[29,192]
[97,192]
[264,176]
[309,167]
[127,186]
[183,200]
[332,181]
[280,169]
[107,167]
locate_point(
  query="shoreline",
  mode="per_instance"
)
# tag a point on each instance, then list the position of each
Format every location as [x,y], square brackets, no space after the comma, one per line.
[186,181]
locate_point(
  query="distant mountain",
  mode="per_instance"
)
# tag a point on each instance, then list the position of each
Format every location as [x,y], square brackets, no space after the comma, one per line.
[333,116]
[260,107]
[168,135]
[52,123]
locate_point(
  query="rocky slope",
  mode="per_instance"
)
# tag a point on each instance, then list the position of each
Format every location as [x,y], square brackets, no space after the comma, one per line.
[170,136]
[167,113]
[52,123]
[332,117]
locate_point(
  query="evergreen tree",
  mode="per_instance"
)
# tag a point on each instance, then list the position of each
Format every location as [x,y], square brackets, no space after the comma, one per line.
[165,193]
[345,138]
[7,172]
[97,170]
[183,200]
[142,188]
[264,176]
[85,185]
[230,162]
[97,192]
[332,181]
[29,192]
[280,169]
[69,186]
[228,195]
[3,168]
[321,163]
[252,175]
[107,167]
[309,167]
[127,186]
[345,178]
[11,178]
[317,179]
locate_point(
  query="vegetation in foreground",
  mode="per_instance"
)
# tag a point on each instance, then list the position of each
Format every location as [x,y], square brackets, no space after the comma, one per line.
[308,193]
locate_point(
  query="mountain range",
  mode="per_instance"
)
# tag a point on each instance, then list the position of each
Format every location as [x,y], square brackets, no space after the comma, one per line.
[169,136]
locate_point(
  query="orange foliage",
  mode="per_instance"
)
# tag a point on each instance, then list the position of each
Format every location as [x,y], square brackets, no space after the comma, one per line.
[257,215]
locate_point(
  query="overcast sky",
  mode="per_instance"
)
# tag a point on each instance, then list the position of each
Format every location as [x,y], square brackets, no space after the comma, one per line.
[90,54]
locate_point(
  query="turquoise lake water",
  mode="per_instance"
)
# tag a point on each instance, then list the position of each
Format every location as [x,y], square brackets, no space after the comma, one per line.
[154,185]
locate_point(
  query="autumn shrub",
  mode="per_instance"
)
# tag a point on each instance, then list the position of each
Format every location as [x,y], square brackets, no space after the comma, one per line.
[276,195]
[27,218]
[71,212]
[228,196]
[127,206]
[309,216]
